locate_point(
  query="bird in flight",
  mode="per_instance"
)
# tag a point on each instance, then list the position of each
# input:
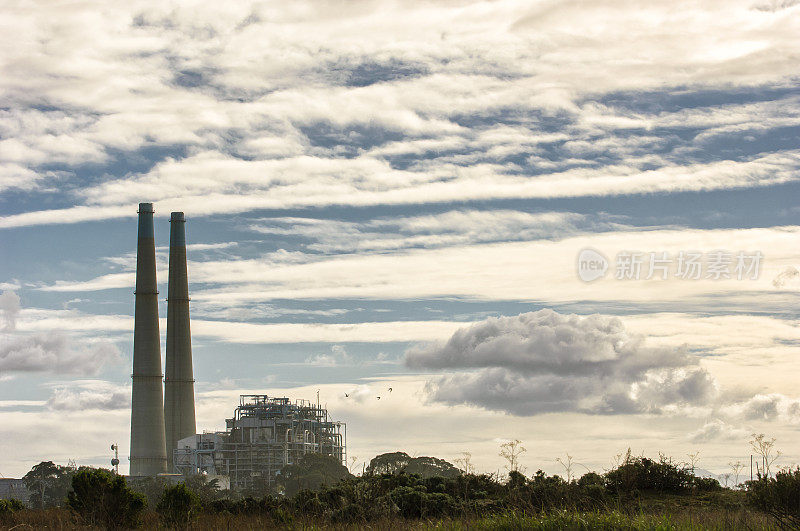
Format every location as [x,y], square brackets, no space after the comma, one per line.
[379,398]
[390,389]
[346,395]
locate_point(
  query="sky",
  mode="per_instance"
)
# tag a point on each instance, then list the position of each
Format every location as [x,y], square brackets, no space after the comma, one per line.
[411,195]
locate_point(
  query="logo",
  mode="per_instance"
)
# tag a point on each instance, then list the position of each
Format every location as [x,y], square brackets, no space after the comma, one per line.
[591,265]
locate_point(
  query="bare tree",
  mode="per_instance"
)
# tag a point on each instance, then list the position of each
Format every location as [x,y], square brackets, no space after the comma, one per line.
[510,451]
[621,458]
[693,460]
[737,468]
[765,448]
[465,463]
[567,464]
[352,460]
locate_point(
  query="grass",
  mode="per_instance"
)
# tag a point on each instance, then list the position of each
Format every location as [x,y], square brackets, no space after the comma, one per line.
[678,518]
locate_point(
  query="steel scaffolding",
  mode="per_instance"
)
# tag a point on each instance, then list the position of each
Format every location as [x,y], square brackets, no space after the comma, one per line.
[264,435]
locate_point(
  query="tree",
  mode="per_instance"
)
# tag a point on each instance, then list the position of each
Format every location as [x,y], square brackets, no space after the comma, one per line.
[177,506]
[152,487]
[693,460]
[206,490]
[311,472]
[102,498]
[737,468]
[429,467]
[389,463]
[48,484]
[567,464]
[465,463]
[510,451]
[765,448]
[351,463]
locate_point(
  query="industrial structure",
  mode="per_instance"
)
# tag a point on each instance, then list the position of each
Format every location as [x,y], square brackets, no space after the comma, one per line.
[178,376]
[148,446]
[264,435]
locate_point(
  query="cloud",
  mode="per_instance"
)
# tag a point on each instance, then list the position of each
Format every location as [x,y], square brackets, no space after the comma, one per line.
[360,394]
[473,271]
[550,362]
[57,353]
[89,395]
[456,227]
[212,183]
[718,429]
[50,350]
[336,357]
[351,107]
[9,308]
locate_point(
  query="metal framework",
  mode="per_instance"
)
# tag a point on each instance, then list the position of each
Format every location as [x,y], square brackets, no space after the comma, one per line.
[264,435]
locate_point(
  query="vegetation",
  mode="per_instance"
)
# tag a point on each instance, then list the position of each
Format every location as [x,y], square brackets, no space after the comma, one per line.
[778,497]
[312,472]
[8,508]
[397,490]
[48,484]
[178,506]
[102,498]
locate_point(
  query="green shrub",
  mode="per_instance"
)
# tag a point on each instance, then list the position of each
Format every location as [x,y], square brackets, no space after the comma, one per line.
[8,508]
[706,484]
[409,501]
[640,474]
[177,507]
[102,498]
[152,487]
[438,504]
[779,497]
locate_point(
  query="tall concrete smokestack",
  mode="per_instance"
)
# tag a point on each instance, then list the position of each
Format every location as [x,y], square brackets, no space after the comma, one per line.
[178,379]
[148,449]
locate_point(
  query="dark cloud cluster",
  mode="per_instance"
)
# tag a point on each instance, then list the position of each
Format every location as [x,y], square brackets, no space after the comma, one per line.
[54,352]
[47,352]
[545,361]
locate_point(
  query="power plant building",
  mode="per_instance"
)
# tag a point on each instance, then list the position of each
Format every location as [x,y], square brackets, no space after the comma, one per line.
[264,435]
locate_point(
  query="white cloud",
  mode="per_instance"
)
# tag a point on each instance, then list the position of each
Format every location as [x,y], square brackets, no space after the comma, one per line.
[126,78]
[336,357]
[452,228]
[9,308]
[212,183]
[89,395]
[536,270]
[718,429]
[549,362]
